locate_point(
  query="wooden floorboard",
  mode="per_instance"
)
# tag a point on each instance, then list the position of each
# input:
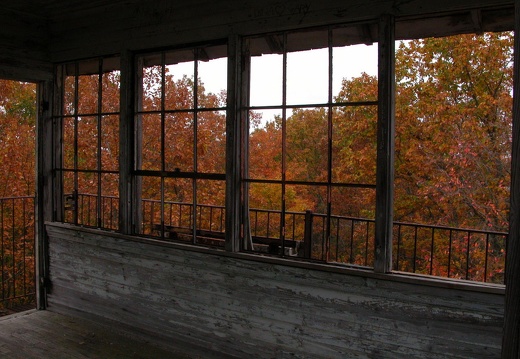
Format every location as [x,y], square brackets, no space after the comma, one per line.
[44,334]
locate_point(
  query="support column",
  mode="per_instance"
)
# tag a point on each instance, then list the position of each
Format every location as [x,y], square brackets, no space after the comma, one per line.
[126,147]
[511,340]
[385,146]
[233,148]
[44,191]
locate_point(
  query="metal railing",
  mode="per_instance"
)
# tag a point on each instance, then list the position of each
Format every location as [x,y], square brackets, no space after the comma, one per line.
[469,254]
[17,254]
[461,253]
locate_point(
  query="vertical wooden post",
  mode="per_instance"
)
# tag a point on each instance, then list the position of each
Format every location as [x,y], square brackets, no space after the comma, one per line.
[126,148]
[385,146]
[510,339]
[233,148]
[44,191]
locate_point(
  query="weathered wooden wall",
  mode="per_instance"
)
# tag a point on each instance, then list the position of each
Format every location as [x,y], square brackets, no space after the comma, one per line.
[245,307]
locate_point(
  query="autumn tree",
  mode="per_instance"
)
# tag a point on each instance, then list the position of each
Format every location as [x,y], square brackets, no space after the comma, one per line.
[17,134]
[454,100]
[17,189]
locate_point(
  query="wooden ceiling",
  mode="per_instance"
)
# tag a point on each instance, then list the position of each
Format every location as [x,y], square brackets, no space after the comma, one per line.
[56,9]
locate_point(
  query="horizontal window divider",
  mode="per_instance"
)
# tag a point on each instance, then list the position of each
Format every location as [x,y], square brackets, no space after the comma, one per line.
[88,114]
[86,171]
[331,104]
[308,183]
[185,110]
[354,104]
[177,174]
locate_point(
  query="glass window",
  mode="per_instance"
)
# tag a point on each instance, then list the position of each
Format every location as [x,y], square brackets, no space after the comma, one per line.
[88,125]
[310,147]
[181,144]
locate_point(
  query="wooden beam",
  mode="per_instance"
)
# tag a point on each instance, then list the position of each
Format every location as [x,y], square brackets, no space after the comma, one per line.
[476,18]
[57,147]
[511,339]
[44,191]
[233,148]
[385,146]
[126,148]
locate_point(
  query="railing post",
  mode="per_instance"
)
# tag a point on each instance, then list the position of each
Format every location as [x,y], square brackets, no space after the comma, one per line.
[307,235]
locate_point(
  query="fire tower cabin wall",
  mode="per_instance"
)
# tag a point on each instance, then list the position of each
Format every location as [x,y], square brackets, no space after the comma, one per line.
[226,300]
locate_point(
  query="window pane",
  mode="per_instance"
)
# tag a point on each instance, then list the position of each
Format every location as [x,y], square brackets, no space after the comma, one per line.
[354,140]
[87,198]
[265,201]
[69,204]
[88,94]
[87,142]
[150,127]
[211,201]
[212,74]
[69,91]
[179,139]
[266,75]
[211,142]
[110,91]
[352,225]
[178,208]
[151,91]
[355,66]
[151,204]
[300,199]
[68,142]
[110,200]
[307,145]
[265,147]
[307,68]
[179,87]
[110,143]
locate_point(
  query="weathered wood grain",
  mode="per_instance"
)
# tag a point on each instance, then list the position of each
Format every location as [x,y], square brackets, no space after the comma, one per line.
[249,308]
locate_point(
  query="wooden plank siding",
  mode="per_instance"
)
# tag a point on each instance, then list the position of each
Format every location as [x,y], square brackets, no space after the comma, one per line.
[242,306]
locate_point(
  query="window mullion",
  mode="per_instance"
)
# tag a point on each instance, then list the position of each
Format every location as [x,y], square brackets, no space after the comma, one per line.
[99,142]
[163,139]
[284,145]
[76,134]
[126,135]
[195,130]
[329,153]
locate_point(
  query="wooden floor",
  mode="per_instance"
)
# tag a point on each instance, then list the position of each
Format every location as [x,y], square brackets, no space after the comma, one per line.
[44,334]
